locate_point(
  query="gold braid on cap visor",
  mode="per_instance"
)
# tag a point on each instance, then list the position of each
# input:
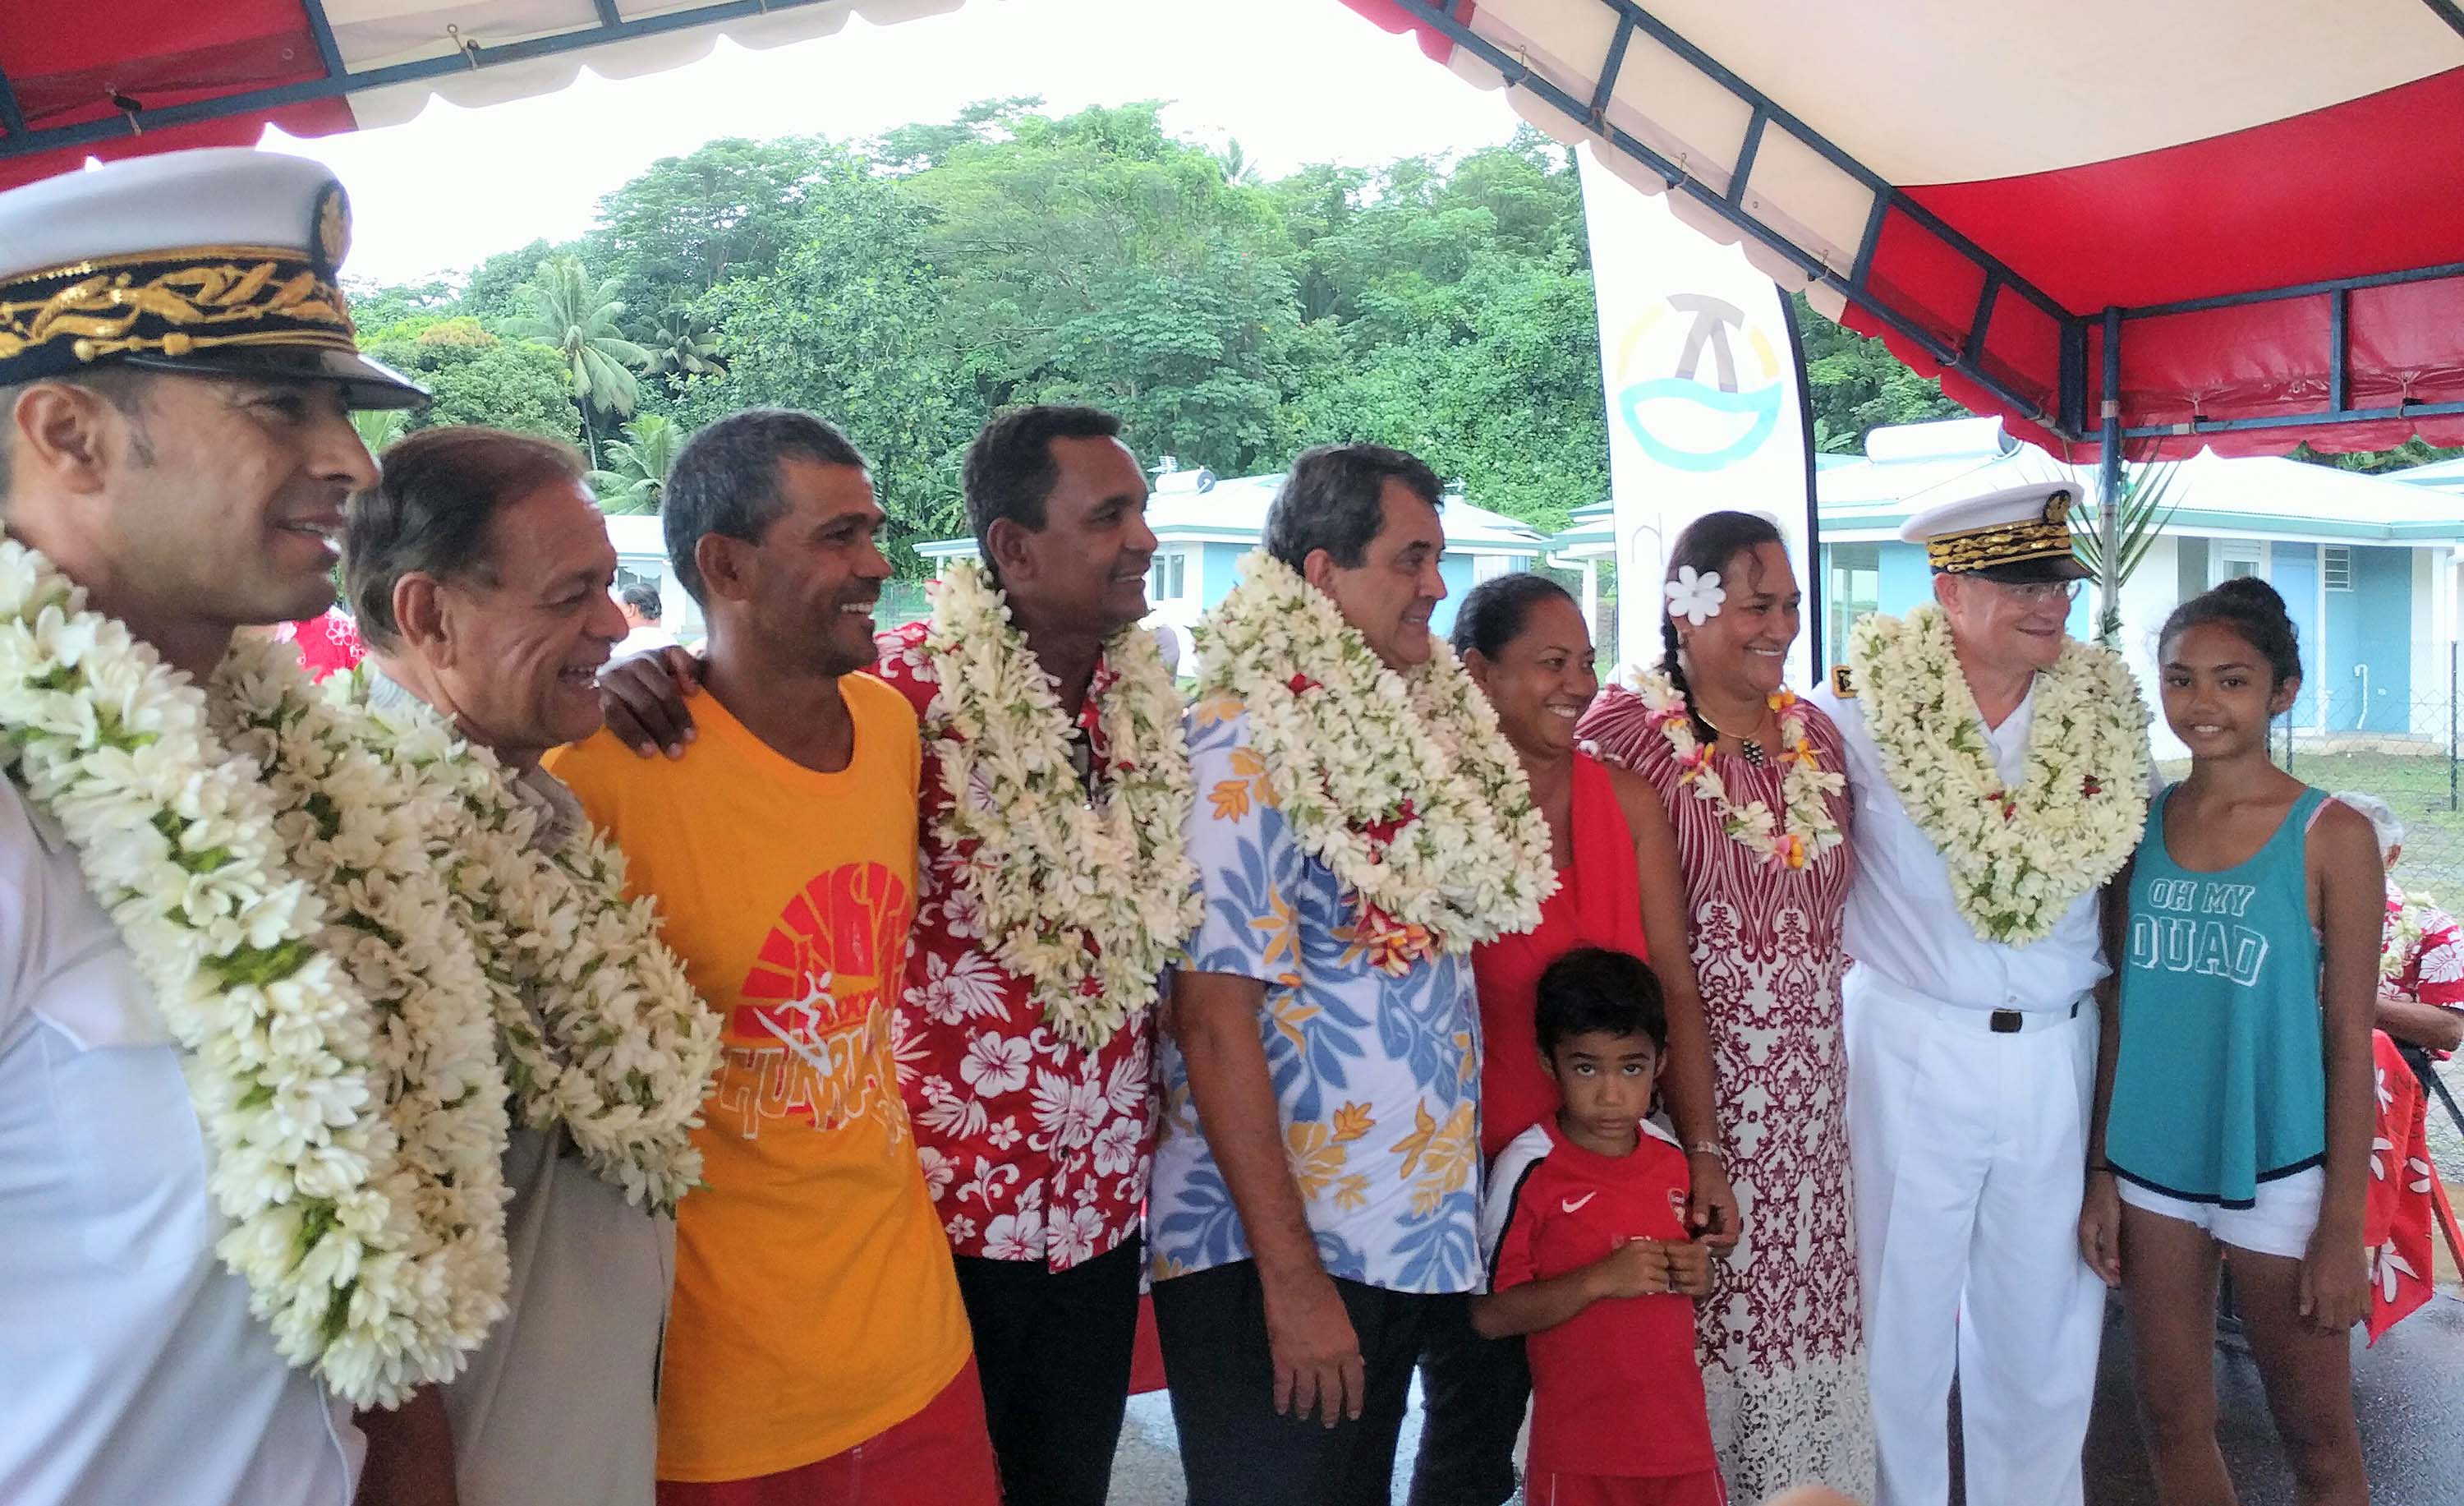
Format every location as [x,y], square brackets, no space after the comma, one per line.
[166,304]
[2011,544]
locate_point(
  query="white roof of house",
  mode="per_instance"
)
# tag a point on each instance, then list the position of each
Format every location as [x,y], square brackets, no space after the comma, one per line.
[637,534]
[2447,476]
[2211,495]
[1910,467]
[1195,507]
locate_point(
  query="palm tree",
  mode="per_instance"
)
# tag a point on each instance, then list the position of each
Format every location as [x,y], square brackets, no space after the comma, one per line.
[2140,514]
[380,427]
[638,465]
[567,311]
[682,344]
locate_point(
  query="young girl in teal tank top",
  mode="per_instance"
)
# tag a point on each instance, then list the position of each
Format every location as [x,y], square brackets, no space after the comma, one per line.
[2233,1105]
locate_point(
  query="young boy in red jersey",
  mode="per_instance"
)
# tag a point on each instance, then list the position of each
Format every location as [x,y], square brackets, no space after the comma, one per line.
[1588,1254]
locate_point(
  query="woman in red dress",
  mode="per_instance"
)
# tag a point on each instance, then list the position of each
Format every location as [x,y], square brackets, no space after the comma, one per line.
[1524,641]
[1748,776]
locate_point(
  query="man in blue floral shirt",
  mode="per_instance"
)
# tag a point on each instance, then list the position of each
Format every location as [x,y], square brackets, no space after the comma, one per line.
[1316,1182]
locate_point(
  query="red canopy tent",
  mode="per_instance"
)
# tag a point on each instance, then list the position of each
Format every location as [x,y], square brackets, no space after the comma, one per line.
[2235,224]
[2227,223]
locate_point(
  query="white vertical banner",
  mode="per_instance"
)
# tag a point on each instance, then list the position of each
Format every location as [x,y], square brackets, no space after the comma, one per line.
[1705,400]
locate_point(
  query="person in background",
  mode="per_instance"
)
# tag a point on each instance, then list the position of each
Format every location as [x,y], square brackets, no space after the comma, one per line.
[639,601]
[2421,965]
[2236,1108]
[1360,824]
[1752,777]
[1590,1257]
[817,1351]
[1523,640]
[329,643]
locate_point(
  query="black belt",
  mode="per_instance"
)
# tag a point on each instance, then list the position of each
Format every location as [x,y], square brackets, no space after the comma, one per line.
[2010,1022]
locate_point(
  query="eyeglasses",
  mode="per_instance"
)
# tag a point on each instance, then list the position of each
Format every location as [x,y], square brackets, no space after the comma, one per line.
[2042,593]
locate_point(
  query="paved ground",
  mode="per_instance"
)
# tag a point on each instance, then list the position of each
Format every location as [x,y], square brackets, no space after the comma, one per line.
[2410,1390]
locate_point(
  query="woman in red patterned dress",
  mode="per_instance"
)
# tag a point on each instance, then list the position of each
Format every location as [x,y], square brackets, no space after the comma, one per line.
[1748,776]
[1524,641]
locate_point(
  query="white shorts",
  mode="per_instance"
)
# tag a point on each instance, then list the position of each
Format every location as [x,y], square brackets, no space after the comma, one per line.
[2278,1223]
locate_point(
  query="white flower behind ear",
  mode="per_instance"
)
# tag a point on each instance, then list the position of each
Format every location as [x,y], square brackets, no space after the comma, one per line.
[1696,597]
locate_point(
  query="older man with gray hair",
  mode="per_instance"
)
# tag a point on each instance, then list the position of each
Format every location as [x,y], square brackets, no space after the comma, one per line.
[480,569]
[2421,975]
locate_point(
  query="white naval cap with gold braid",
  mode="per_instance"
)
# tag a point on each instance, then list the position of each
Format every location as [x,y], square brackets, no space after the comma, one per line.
[224,259]
[2018,535]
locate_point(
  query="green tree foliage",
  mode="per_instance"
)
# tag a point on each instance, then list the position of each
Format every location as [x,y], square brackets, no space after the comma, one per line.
[477,377]
[638,465]
[909,286]
[1096,258]
[731,208]
[683,344]
[855,325]
[578,319]
[1855,385]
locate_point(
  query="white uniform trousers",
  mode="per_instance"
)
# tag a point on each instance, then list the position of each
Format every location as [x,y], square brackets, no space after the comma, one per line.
[1967,1149]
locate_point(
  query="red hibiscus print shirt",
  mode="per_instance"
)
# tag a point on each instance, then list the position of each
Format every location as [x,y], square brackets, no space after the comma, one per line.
[1033,1148]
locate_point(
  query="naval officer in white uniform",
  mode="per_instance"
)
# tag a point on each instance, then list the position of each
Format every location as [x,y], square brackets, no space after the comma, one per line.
[1972,1029]
[177,368]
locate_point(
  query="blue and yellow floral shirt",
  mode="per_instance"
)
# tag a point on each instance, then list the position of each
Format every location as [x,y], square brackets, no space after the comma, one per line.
[1375,1075]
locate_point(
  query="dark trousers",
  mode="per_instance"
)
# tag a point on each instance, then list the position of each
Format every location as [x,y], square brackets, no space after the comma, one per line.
[1235,1450]
[1053,1347]
[1476,1390]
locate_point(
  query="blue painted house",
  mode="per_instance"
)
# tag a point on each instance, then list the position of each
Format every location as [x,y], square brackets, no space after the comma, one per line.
[1203,525]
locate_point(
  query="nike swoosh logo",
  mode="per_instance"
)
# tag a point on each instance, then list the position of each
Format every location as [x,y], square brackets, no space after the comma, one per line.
[1574,1204]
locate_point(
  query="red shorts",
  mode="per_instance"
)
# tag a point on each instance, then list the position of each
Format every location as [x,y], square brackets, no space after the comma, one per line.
[1702,1489]
[943,1453]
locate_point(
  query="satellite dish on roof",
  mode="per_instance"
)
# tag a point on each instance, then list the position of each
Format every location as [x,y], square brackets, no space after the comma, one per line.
[1205,479]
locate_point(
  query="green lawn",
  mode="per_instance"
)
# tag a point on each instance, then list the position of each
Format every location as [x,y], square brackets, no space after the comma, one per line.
[2417,787]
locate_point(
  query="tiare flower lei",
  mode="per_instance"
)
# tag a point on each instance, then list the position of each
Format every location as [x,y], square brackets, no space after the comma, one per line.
[2017,856]
[2402,934]
[1087,901]
[1805,830]
[358,831]
[621,1053]
[336,1092]
[1402,785]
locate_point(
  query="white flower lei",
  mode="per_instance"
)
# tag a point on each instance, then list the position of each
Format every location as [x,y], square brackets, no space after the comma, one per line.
[624,1052]
[1805,830]
[2402,934]
[358,831]
[1402,785]
[1087,902]
[2017,859]
[362,1260]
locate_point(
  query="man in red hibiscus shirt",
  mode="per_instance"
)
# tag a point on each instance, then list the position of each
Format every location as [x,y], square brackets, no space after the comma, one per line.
[1028,1089]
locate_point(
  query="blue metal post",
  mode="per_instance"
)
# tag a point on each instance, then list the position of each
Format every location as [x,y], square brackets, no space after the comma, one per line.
[2108,507]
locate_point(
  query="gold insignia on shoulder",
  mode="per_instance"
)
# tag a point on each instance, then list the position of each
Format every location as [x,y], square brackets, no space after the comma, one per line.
[1842,684]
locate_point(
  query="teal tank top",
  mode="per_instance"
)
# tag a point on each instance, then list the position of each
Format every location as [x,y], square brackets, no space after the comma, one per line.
[2221,1084]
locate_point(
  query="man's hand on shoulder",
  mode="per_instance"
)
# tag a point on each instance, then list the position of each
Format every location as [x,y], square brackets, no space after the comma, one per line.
[644,699]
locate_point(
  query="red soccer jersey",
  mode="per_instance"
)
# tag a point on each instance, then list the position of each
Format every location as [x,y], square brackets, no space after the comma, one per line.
[1615,1388]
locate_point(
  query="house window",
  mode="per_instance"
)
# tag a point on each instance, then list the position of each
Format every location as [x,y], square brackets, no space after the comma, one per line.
[2336,567]
[1855,590]
[2234,557]
[1168,577]
[639,573]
